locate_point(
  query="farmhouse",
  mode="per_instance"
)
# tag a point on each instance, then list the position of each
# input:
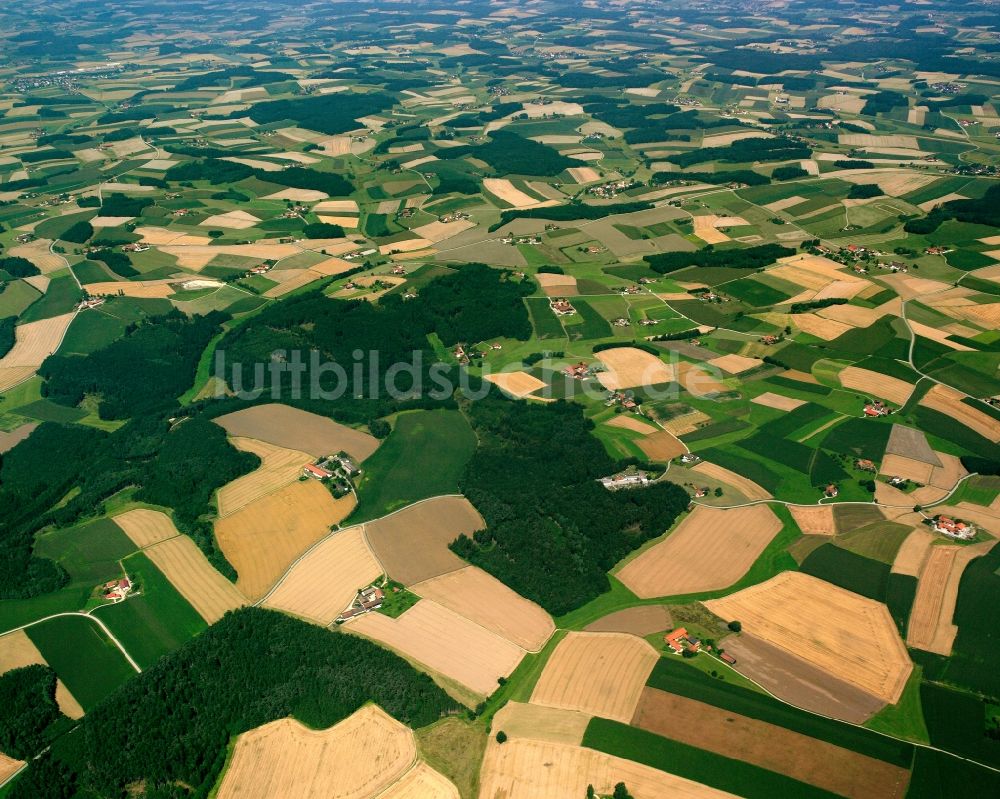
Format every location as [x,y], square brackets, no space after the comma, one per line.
[953,528]
[831,491]
[560,307]
[865,465]
[117,590]
[316,472]
[365,601]
[689,458]
[877,408]
[578,371]
[90,302]
[680,640]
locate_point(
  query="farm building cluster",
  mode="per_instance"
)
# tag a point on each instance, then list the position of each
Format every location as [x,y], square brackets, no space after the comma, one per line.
[338,470]
[365,601]
[953,528]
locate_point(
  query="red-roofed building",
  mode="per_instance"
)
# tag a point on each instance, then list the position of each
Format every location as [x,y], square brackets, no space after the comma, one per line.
[317,472]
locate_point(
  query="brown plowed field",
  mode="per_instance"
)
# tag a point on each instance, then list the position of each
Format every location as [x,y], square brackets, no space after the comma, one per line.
[325,581]
[522,769]
[146,527]
[444,642]
[821,624]
[355,759]
[642,621]
[770,747]
[263,538]
[278,468]
[799,682]
[482,598]
[412,544]
[712,548]
[601,674]
[195,578]
[931,627]
[295,429]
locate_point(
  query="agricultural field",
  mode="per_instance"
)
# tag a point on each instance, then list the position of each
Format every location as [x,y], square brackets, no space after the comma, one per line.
[631,317]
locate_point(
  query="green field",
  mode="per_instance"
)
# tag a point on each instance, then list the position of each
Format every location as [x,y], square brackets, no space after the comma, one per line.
[424,456]
[695,764]
[83,657]
[155,621]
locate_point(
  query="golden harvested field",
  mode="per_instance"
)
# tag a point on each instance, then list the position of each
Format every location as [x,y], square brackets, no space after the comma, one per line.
[912,555]
[735,364]
[894,182]
[686,423]
[40,254]
[584,174]
[698,380]
[857,316]
[263,538]
[439,231]
[745,486]
[482,598]
[421,782]
[540,723]
[522,769]
[772,400]
[18,651]
[705,229]
[949,402]
[8,767]
[661,446]
[898,465]
[145,289]
[801,757]
[235,220]
[517,384]
[874,384]
[931,627]
[628,367]
[146,527]
[355,759]
[826,329]
[324,582]
[510,194]
[819,622]
[195,578]
[412,544]
[300,430]
[871,140]
[626,421]
[34,342]
[279,467]
[710,549]
[601,674]
[814,519]
[444,642]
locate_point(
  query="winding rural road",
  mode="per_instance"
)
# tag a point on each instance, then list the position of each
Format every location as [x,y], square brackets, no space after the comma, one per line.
[89,615]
